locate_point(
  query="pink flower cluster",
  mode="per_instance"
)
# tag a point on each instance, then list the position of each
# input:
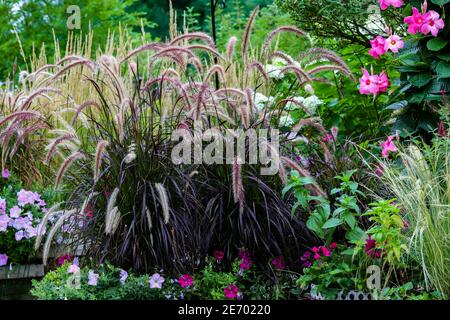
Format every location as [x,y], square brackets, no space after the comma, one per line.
[279,263]
[246,261]
[384,4]
[316,254]
[218,255]
[371,248]
[381,45]
[388,146]
[425,21]
[185,281]
[373,84]
[231,291]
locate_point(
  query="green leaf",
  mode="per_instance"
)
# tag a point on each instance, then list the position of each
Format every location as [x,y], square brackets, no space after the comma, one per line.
[436,44]
[355,235]
[440,2]
[397,105]
[350,220]
[444,56]
[333,222]
[443,69]
[420,80]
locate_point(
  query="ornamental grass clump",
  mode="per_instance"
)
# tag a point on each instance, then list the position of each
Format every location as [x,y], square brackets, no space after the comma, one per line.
[134,205]
[422,189]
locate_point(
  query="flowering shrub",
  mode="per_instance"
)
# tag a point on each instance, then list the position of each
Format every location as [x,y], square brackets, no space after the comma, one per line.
[21,212]
[422,57]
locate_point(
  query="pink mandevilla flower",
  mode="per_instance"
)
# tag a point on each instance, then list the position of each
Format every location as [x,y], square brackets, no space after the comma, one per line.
[231,291]
[415,21]
[384,4]
[326,252]
[393,43]
[3,259]
[368,84]
[378,47]
[185,281]
[383,82]
[388,146]
[432,23]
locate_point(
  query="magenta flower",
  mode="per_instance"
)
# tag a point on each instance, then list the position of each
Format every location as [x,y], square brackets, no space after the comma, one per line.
[3,259]
[432,23]
[218,255]
[327,138]
[279,263]
[156,281]
[384,4]
[326,252]
[333,245]
[379,171]
[246,261]
[305,259]
[394,43]
[388,146]
[231,291]
[185,281]
[368,84]
[93,278]
[316,256]
[378,47]
[370,248]
[5,173]
[62,259]
[415,21]
[383,82]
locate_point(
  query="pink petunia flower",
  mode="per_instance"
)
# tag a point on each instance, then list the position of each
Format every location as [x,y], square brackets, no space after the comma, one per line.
[378,47]
[316,256]
[5,173]
[156,281]
[185,281]
[393,43]
[2,206]
[384,4]
[279,263]
[73,268]
[231,291]
[388,146]
[368,84]
[15,212]
[433,23]
[3,259]
[415,21]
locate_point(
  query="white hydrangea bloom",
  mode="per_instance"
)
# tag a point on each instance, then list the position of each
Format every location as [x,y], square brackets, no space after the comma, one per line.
[286,121]
[274,72]
[261,101]
[311,103]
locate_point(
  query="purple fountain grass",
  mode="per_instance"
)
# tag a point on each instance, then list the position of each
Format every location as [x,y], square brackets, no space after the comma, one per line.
[53,146]
[231,45]
[65,165]
[191,36]
[84,105]
[279,30]
[259,67]
[248,31]
[99,150]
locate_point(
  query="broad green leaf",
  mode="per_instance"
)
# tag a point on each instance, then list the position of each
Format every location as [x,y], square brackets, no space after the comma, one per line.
[443,69]
[440,2]
[355,235]
[436,44]
[444,56]
[420,80]
[349,219]
[333,222]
